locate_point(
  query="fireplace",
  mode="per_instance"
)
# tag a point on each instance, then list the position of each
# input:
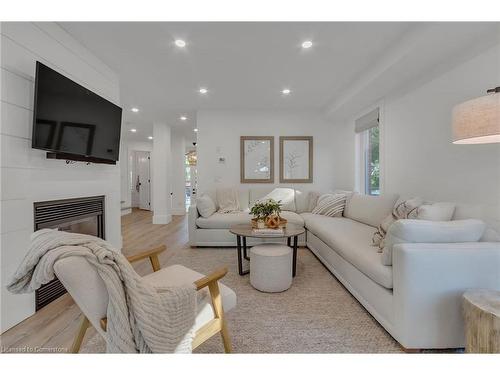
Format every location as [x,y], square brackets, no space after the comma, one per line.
[78,215]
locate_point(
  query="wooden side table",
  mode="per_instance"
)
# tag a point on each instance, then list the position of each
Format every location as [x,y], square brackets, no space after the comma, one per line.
[482,321]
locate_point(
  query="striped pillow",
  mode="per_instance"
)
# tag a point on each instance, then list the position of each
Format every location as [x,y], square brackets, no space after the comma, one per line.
[330,205]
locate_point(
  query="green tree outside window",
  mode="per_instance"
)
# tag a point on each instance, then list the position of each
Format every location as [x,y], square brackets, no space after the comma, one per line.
[373,164]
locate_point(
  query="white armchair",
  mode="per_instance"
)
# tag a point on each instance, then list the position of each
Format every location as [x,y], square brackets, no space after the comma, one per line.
[89,292]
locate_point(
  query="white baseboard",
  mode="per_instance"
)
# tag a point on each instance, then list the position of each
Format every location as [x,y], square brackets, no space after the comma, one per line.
[126,211]
[162,219]
[178,211]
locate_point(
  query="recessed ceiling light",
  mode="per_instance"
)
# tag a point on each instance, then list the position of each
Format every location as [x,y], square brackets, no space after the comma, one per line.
[203,90]
[195,130]
[286,91]
[133,130]
[180,43]
[307,44]
[135,110]
[183,118]
[150,137]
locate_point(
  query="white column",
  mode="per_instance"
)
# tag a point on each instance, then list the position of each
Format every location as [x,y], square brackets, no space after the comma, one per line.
[161,184]
[178,174]
[125,192]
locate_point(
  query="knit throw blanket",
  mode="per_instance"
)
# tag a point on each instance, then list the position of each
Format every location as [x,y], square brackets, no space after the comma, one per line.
[140,317]
[228,201]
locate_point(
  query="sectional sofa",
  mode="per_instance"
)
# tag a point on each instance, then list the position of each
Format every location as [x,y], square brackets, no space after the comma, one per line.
[417,299]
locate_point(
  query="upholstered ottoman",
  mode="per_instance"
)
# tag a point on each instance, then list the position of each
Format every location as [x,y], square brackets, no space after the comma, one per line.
[271,267]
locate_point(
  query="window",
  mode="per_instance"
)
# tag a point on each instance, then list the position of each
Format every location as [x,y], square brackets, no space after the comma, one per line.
[371,161]
[368,138]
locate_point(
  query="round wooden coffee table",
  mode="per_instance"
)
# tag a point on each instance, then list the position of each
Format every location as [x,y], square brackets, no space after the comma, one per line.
[243,231]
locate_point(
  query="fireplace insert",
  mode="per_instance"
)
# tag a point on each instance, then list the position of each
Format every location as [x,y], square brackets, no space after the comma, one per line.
[76,215]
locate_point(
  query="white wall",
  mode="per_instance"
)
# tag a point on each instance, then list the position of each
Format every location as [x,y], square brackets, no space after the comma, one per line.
[419,156]
[26,175]
[219,134]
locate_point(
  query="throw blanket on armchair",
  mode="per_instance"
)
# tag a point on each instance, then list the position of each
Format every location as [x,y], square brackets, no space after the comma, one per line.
[141,318]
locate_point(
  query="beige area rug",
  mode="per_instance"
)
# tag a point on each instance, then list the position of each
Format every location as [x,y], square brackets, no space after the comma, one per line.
[316,315]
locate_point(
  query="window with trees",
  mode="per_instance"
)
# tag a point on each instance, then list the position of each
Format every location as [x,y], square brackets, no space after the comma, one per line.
[372,161]
[368,133]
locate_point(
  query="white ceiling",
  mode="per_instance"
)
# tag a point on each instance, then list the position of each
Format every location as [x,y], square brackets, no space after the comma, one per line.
[244,65]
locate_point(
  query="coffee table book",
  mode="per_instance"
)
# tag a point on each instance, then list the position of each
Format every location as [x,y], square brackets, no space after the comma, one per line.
[269,232]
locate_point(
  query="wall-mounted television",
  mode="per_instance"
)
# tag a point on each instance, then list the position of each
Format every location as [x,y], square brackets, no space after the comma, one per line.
[72,122]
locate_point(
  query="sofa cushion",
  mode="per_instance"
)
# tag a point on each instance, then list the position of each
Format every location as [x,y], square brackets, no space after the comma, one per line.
[302,201]
[312,200]
[179,275]
[347,193]
[243,197]
[426,231]
[205,205]
[226,221]
[438,211]
[369,209]
[352,241]
[285,196]
[254,194]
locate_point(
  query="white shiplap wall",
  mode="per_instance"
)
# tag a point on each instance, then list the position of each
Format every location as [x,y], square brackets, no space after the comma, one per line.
[26,175]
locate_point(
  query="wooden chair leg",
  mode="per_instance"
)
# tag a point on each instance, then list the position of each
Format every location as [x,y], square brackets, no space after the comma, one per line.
[213,287]
[77,343]
[155,262]
[226,340]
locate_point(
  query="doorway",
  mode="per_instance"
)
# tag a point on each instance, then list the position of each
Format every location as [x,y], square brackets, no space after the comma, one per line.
[191,178]
[141,177]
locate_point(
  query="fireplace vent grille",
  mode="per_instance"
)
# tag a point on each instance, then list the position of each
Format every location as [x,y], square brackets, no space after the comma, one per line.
[51,214]
[78,215]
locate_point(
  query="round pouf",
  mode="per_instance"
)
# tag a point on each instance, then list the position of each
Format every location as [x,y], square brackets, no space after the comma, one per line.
[271,267]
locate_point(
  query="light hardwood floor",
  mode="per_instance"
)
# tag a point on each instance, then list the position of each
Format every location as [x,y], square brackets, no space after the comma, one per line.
[53,328]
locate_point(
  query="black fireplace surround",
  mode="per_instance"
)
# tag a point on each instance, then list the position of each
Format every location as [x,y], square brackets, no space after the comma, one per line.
[76,215]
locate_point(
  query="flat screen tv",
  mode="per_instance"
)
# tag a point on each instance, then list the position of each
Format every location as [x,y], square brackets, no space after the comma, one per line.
[72,122]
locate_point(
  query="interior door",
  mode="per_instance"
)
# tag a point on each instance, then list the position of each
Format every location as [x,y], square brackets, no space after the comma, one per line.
[144,179]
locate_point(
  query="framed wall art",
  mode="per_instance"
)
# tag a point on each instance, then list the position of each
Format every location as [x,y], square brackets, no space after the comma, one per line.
[296,159]
[257,159]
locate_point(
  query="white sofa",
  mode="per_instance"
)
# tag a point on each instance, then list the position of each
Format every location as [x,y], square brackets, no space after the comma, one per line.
[417,299]
[214,230]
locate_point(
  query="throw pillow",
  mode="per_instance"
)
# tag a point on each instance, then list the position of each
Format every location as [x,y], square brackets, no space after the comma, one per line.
[285,196]
[227,199]
[403,210]
[205,205]
[425,231]
[330,205]
[439,211]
